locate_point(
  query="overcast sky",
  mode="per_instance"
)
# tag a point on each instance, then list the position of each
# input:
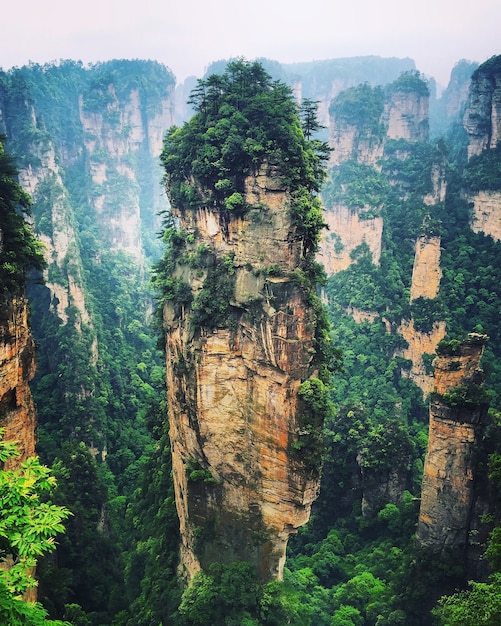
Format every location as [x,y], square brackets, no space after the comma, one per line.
[187,35]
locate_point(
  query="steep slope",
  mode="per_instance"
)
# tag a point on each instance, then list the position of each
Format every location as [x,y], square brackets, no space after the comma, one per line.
[378,135]
[17,368]
[88,141]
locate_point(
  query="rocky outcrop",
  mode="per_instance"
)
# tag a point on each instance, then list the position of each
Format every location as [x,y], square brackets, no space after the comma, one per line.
[350,141]
[426,272]
[456,95]
[451,470]
[17,410]
[116,135]
[482,119]
[406,114]
[235,414]
[43,180]
[346,231]
[486,216]
[17,368]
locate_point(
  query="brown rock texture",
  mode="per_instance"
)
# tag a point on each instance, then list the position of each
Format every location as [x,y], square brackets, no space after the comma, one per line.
[233,391]
[486,213]
[17,410]
[450,472]
[346,231]
[17,368]
[419,344]
[426,273]
[351,142]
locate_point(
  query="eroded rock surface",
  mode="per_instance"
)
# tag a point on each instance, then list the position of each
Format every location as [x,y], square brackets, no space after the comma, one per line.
[241,488]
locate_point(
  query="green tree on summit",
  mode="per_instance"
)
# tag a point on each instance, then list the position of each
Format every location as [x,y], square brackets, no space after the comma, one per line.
[242,119]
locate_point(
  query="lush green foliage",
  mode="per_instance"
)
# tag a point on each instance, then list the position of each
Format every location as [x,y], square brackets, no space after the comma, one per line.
[117,563]
[480,605]
[361,106]
[242,120]
[483,171]
[98,377]
[410,82]
[20,251]
[28,526]
[357,186]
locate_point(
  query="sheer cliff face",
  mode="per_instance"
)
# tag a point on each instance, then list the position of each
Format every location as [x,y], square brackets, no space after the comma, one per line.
[241,488]
[17,367]
[397,114]
[482,119]
[448,499]
[482,122]
[98,164]
[117,137]
[407,116]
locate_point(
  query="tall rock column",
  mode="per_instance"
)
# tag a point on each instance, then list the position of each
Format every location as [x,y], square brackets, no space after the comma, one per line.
[457,412]
[245,330]
[242,481]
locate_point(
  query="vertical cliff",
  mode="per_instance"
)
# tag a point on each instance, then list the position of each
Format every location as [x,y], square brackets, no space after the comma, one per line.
[362,121]
[482,119]
[482,122]
[19,253]
[379,136]
[89,141]
[451,473]
[17,368]
[245,386]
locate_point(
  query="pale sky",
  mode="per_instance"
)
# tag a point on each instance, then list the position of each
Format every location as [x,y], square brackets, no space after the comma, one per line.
[187,35]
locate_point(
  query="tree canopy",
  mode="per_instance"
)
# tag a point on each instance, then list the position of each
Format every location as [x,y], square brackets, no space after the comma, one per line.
[242,119]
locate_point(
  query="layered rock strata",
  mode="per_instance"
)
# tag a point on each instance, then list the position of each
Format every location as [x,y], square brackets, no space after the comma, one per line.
[235,423]
[457,412]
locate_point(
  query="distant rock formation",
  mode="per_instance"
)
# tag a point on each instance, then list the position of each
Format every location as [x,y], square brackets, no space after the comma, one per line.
[482,119]
[451,472]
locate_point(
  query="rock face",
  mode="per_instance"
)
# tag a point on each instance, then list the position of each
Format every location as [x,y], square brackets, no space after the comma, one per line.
[346,231]
[241,489]
[17,410]
[486,213]
[450,472]
[88,142]
[426,273]
[17,368]
[407,115]
[418,345]
[124,133]
[400,112]
[482,120]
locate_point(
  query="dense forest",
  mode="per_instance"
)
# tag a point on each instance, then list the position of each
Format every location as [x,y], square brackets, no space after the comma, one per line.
[87,144]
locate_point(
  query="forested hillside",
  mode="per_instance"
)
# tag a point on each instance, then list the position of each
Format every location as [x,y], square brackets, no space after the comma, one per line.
[411,255]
